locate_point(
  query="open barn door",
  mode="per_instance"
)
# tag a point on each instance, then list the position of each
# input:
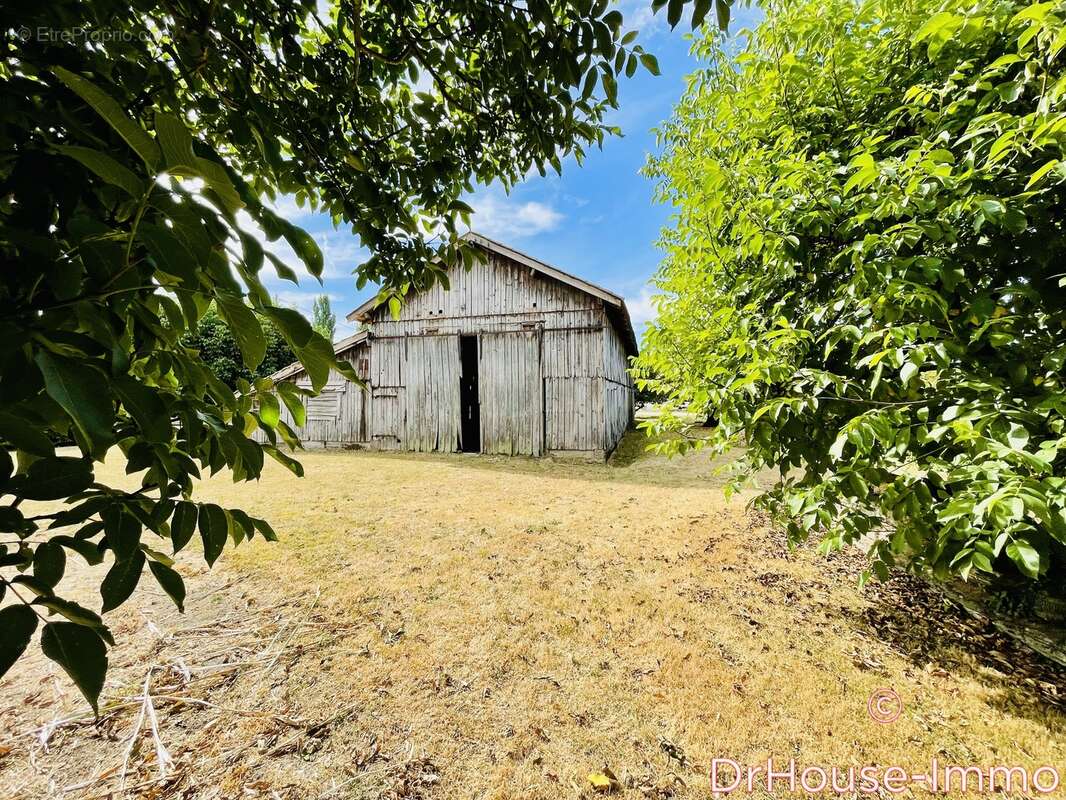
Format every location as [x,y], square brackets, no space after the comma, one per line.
[511,391]
[469,396]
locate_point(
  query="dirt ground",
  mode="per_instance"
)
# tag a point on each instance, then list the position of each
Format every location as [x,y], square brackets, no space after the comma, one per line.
[471,627]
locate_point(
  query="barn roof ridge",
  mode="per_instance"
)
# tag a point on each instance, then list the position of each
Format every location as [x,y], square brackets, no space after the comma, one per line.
[615,304]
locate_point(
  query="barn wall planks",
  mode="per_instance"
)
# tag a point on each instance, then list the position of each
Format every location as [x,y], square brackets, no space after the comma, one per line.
[574,416]
[493,285]
[512,410]
[619,391]
[341,422]
[431,370]
[552,370]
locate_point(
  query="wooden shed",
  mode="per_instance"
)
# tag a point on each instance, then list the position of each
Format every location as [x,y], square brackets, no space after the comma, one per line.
[515,357]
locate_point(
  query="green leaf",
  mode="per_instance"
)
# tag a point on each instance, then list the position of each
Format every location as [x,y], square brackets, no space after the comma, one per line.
[121,580]
[908,371]
[218,181]
[591,79]
[1025,557]
[673,12]
[38,587]
[49,563]
[157,556]
[24,435]
[650,62]
[292,324]
[935,24]
[245,327]
[86,549]
[1041,173]
[82,392]
[290,464]
[171,583]
[53,478]
[285,272]
[699,13]
[168,253]
[306,248]
[143,404]
[175,140]
[17,624]
[183,524]
[122,531]
[112,113]
[242,523]
[318,359]
[76,613]
[1018,436]
[293,400]
[106,168]
[722,9]
[81,653]
[269,409]
[214,528]
[264,528]
[233,529]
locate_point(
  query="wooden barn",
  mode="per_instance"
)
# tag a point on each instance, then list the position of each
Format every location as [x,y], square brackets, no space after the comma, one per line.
[516,357]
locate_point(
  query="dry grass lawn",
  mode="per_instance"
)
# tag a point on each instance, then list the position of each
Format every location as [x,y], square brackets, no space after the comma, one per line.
[468,627]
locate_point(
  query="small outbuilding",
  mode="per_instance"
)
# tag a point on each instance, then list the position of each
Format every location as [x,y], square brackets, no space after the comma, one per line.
[515,357]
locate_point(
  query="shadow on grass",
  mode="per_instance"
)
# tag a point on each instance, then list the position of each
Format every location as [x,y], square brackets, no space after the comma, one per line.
[630,463]
[935,633]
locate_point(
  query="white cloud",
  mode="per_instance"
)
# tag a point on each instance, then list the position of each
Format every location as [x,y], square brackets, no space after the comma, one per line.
[641,309]
[302,300]
[638,15]
[279,248]
[503,217]
[286,208]
[341,253]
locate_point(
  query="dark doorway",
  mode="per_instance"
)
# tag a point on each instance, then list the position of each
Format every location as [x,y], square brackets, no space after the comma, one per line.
[469,405]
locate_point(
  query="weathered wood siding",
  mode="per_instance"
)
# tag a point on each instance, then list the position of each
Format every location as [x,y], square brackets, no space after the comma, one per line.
[431,367]
[553,400]
[511,393]
[339,415]
[493,286]
[552,370]
[574,419]
[387,393]
[618,398]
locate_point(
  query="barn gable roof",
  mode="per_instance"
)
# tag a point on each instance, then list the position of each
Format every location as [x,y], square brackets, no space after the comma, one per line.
[613,304]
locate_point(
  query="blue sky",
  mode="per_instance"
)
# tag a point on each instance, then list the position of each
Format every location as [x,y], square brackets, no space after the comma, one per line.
[597,221]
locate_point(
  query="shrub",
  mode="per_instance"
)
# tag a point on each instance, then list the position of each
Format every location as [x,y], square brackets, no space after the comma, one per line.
[865,274]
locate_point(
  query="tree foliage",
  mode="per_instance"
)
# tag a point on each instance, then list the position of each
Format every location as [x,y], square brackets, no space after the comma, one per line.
[141,143]
[865,277]
[215,345]
[323,319]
